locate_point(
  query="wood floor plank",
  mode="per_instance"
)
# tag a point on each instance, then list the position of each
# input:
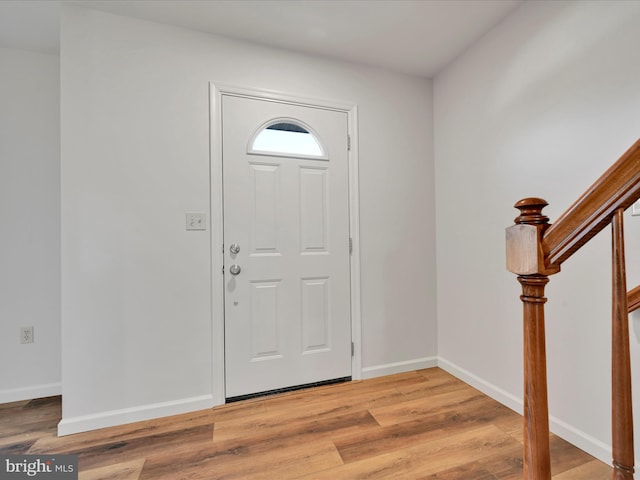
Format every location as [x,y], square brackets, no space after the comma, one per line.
[593,470]
[239,410]
[512,425]
[426,405]
[294,461]
[391,437]
[351,389]
[34,416]
[24,423]
[471,470]
[506,465]
[13,405]
[120,471]
[340,399]
[420,425]
[419,460]
[432,384]
[300,411]
[112,451]
[565,456]
[318,426]
[235,456]
[17,444]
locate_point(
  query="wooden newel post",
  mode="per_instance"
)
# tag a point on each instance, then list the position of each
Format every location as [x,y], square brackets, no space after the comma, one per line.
[537,460]
[526,258]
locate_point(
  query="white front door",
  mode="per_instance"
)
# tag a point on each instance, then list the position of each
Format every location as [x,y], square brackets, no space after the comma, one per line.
[286,217]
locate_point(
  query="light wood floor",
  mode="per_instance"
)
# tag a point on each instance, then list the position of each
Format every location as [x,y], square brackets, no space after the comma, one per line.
[418,425]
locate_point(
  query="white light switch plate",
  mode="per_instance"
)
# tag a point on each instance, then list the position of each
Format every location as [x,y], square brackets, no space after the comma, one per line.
[196,220]
[635,209]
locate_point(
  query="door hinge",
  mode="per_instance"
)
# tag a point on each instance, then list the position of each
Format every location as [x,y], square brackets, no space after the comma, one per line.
[353,349]
[350,245]
[223,269]
[348,143]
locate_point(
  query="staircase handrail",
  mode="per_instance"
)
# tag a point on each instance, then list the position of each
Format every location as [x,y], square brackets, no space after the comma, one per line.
[537,249]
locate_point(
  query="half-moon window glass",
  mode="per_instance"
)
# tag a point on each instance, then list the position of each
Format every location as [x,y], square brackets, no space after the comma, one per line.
[285,137]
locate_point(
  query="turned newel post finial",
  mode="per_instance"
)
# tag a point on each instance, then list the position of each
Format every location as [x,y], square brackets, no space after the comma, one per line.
[525,252]
[531,211]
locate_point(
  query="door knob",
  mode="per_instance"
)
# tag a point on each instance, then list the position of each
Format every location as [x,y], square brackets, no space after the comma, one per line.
[234,269]
[234,248]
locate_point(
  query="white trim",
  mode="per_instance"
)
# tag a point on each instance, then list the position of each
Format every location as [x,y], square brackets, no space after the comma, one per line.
[502,396]
[580,439]
[354,234]
[31,392]
[281,97]
[85,423]
[217,235]
[217,241]
[399,367]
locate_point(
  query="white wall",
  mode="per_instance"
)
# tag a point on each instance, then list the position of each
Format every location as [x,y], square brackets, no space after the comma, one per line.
[136,302]
[29,224]
[541,106]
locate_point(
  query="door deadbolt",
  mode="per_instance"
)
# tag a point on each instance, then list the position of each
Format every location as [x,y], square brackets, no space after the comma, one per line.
[234,248]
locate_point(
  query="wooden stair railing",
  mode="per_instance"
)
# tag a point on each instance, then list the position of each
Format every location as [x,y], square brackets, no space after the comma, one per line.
[537,249]
[633,299]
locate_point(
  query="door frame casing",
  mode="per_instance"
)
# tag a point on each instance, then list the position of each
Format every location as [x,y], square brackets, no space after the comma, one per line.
[216,92]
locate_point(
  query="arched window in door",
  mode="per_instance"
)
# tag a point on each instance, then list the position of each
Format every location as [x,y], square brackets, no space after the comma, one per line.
[286,137]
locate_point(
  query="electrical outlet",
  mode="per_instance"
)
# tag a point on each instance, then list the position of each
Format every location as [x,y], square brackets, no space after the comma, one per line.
[196,221]
[26,334]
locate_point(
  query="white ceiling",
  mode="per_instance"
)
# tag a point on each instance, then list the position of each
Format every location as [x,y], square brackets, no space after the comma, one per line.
[417,37]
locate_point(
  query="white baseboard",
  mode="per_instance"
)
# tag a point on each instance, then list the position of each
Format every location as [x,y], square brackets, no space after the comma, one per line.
[399,367]
[580,439]
[85,423]
[583,441]
[502,396]
[31,392]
